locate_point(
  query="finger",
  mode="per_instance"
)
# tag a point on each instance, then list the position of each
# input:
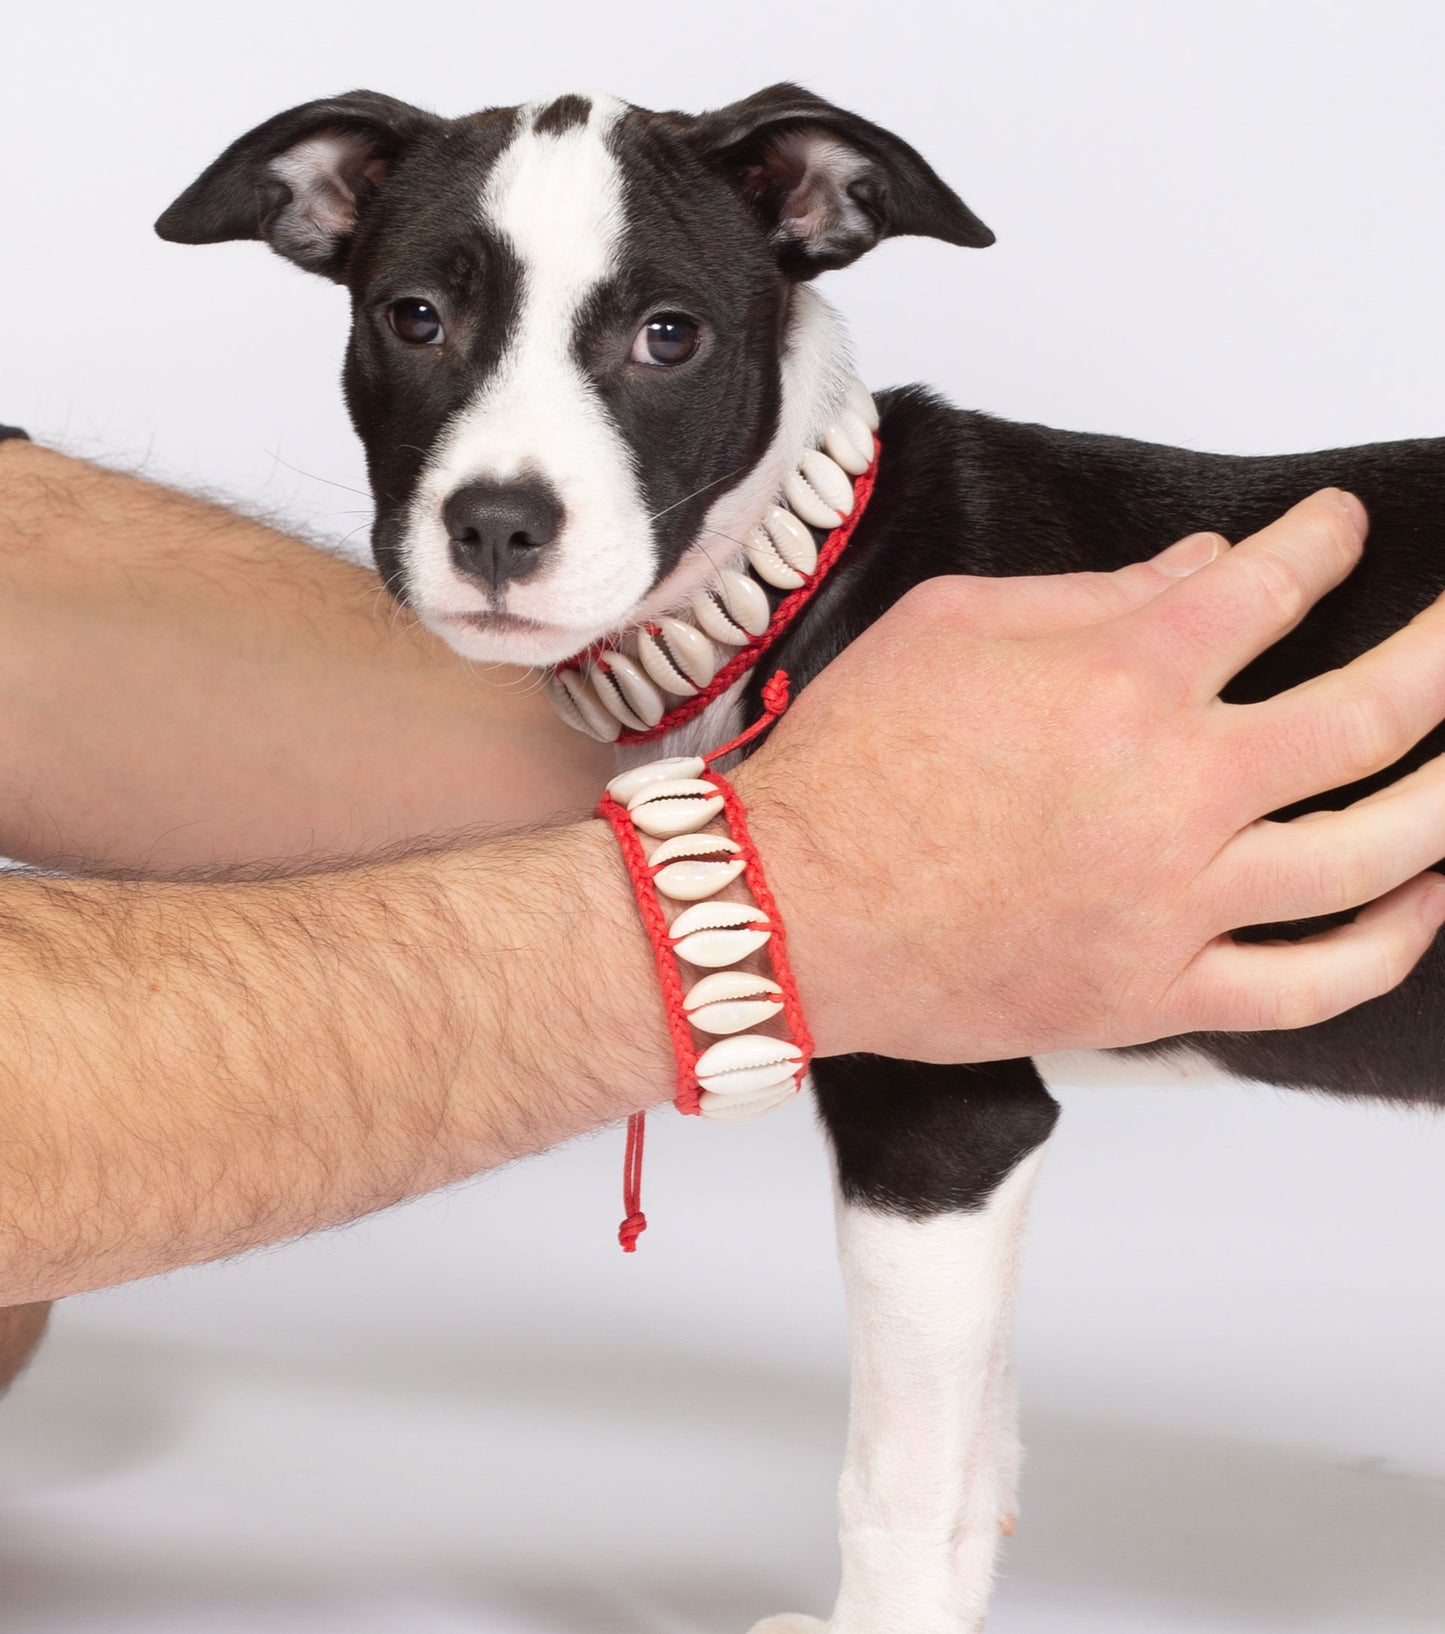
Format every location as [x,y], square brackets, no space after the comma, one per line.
[1206,629]
[1252,987]
[1050,604]
[1330,861]
[1351,722]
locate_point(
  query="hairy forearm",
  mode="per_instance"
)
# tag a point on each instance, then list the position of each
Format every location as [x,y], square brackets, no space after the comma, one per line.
[181,686]
[190,1070]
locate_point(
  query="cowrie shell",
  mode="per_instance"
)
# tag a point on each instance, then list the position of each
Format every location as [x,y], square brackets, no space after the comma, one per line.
[693,866]
[600,723]
[730,1000]
[769,565]
[679,658]
[828,480]
[860,400]
[681,805]
[714,934]
[849,441]
[745,601]
[626,784]
[747,1062]
[782,550]
[739,1108]
[612,698]
[811,505]
[562,703]
[661,668]
[691,650]
[791,539]
[709,611]
[638,694]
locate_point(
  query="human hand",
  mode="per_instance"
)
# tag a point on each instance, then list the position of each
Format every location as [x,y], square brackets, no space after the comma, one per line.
[1015,815]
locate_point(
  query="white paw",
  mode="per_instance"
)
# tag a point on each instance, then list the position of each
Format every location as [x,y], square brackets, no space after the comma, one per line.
[793,1622]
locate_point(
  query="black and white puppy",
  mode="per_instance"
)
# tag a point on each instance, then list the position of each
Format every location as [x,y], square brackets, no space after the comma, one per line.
[586,352]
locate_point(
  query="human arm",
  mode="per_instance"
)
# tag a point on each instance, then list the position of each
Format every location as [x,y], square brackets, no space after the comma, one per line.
[190,1070]
[184,687]
[187,1070]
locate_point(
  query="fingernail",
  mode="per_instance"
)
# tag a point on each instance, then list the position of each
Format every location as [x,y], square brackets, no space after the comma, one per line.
[1189,555]
[1351,506]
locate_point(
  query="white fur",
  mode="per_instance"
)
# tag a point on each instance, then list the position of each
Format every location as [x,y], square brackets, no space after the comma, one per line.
[558,199]
[820,209]
[322,206]
[932,1448]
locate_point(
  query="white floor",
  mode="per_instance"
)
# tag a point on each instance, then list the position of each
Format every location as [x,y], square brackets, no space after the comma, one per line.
[474,1414]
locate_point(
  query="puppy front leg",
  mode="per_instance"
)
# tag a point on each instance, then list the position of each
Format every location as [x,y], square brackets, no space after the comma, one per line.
[927,1484]
[936,1166]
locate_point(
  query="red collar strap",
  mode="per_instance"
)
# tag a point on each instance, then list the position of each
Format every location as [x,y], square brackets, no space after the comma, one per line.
[666,673]
[727,1069]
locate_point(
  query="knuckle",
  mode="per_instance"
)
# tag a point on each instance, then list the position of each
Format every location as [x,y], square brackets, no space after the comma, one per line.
[1119,690]
[1346,877]
[943,597]
[1281,585]
[1366,727]
[1298,1002]
[1398,953]
[1116,592]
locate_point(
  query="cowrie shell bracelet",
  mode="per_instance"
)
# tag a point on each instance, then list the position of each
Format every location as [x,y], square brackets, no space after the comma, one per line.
[728,1069]
[641,686]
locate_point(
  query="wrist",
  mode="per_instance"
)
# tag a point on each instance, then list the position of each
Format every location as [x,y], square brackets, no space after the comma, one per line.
[798,873]
[554,945]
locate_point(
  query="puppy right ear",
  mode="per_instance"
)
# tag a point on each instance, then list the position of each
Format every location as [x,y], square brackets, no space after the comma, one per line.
[300,181]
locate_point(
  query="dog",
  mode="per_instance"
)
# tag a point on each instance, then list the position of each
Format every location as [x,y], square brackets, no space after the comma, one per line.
[587,354]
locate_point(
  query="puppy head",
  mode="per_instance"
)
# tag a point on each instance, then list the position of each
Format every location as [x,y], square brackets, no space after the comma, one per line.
[576,335]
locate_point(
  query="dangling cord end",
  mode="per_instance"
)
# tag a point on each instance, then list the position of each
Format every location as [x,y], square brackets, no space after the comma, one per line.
[775,701]
[636,1222]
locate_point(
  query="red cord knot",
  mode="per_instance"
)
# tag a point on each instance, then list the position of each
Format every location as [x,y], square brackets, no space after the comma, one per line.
[630,1230]
[775,694]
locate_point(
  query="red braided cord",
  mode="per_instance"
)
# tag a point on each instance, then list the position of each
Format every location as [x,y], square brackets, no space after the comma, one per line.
[635,1222]
[783,615]
[655,923]
[778,942]
[775,701]
[644,889]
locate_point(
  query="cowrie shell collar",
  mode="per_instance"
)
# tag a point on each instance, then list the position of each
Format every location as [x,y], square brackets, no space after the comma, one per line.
[631,688]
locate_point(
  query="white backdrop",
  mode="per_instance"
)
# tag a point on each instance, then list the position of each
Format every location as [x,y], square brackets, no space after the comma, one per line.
[1219,225]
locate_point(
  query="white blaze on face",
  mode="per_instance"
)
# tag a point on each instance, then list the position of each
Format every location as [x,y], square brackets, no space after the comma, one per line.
[557,199]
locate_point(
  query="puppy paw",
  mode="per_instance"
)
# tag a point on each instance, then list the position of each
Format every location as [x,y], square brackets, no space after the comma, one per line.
[792,1622]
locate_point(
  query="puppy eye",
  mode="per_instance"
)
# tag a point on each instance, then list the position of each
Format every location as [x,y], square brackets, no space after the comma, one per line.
[666,338]
[416,322]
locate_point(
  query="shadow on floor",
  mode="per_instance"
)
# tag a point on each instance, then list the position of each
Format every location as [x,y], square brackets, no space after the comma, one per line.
[1144,1528]
[1249,1536]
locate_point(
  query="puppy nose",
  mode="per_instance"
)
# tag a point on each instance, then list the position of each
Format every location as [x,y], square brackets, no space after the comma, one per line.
[501,531]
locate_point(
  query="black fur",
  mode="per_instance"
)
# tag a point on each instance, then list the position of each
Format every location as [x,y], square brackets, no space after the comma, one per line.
[566,113]
[962,493]
[705,235]
[725,212]
[861,183]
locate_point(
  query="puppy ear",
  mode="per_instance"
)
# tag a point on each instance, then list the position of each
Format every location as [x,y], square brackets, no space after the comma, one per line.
[827,185]
[300,181]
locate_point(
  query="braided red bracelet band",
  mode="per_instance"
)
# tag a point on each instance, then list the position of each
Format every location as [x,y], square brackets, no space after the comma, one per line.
[744,1073]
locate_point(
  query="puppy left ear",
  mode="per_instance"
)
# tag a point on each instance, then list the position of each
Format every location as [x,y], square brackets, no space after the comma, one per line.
[300,181]
[827,185]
